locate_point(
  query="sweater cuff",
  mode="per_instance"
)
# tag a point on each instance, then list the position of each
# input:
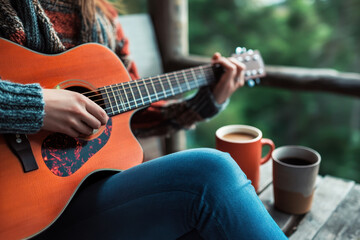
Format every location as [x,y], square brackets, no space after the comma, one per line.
[21,108]
[205,104]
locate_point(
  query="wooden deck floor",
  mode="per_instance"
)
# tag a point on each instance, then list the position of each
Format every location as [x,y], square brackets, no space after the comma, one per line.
[335,212]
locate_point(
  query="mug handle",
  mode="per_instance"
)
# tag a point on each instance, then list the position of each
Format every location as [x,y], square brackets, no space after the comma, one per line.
[269,142]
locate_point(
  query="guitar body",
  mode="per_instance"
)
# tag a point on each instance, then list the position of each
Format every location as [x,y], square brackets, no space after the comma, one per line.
[29,202]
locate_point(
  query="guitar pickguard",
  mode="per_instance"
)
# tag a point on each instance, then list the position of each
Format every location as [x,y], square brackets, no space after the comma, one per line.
[64,155]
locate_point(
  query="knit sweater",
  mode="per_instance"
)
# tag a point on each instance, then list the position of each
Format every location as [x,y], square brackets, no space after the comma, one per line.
[21,107]
[53,26]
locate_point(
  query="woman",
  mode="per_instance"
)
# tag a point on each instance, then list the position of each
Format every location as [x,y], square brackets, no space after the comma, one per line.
[167,198]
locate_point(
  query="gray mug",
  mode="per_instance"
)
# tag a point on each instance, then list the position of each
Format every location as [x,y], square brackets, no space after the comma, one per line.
[295,169]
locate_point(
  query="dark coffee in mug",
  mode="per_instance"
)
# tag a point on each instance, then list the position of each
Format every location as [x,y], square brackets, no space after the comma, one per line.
[238,136]
[295,161]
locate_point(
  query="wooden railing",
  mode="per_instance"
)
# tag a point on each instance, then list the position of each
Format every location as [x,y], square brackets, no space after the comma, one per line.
[315,79]
[170,19]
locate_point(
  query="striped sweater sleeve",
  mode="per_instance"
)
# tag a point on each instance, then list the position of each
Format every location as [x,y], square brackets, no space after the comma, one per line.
[167,117]
[21,108]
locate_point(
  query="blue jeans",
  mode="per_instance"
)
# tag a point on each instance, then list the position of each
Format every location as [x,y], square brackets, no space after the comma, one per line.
[202,192]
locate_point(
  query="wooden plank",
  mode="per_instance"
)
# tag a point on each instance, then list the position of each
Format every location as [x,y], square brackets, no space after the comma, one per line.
[265,176]
[284,220]
[329,194]
[344,223]
[287,222]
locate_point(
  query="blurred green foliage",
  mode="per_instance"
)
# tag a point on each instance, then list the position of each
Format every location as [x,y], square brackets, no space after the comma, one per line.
[307,33]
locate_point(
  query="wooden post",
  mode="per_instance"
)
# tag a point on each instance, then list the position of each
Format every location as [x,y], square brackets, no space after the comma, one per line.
[327,80]
[170,19]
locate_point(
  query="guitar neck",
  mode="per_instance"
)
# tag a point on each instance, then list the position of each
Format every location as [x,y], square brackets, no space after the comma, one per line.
[126,96]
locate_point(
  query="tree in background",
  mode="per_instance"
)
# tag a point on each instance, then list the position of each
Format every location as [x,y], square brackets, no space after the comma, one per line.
[343,49]
[293,33]
[308,33]
[289,33]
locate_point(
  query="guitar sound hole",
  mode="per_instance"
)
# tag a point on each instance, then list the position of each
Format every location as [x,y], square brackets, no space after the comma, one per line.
[92,94]
[64,155]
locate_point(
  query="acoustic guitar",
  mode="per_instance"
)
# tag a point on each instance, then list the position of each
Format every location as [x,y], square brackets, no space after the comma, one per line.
[40,173]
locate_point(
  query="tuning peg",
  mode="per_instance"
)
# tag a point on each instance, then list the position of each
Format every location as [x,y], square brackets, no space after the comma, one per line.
[250,83]
[238,50]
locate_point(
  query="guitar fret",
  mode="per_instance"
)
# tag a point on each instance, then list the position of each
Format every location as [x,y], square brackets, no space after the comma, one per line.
[162,86]
[109,100]
[170,85]
[195,81]
[140,95]
[130,95]
[152,83]
[127,99]
[185,79]
[202,72]
[133,95]
[120,97]
[157,88]
[177,81]
[152,90]
[209,75]
[200,76]
[144,92]
[117,104]
[166,85]
[197,76]
[147,91]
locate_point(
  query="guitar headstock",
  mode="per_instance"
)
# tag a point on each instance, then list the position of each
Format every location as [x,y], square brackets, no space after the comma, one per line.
[255,68]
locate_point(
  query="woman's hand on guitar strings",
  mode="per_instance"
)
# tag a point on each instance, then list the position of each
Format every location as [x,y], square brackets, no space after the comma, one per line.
[232,79]
[71,113]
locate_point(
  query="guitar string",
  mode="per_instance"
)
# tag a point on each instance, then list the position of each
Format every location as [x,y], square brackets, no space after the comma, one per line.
[168,92]
[204,67]
[135,100]
[172,77]
[158,79]
[131,104]
[130,107]
[150,97]
[134,103]
[187,71]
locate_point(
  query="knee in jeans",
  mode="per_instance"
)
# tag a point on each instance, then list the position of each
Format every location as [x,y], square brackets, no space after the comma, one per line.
[212,158]
[214,165]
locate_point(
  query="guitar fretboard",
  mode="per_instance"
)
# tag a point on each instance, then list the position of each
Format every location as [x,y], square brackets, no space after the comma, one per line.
[123,97]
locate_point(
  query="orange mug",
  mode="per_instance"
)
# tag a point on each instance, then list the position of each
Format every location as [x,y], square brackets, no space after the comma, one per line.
[244,144]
